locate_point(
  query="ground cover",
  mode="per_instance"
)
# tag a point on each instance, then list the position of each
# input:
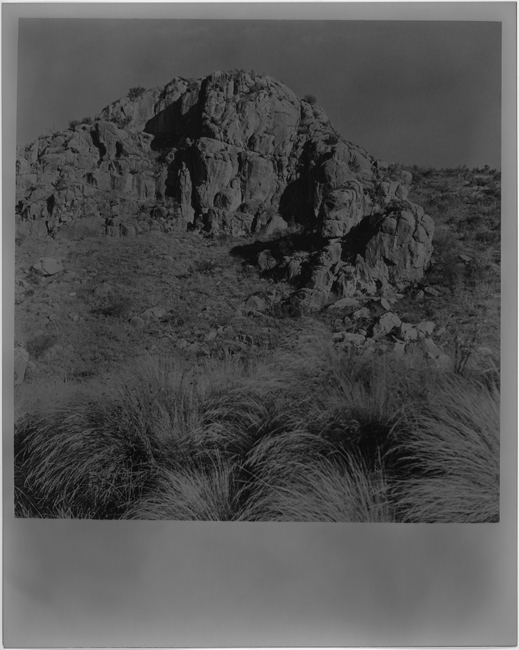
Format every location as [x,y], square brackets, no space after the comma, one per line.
[170,377]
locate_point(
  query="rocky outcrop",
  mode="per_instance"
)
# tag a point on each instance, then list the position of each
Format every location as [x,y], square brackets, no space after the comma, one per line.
[238,153]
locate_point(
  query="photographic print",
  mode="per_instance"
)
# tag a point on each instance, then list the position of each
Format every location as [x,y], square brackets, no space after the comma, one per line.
[257,270]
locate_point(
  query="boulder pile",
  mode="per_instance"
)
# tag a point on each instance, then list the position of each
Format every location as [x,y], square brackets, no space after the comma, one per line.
[235,153]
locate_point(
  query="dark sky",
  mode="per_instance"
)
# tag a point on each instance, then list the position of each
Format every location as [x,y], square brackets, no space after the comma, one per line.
[426,93]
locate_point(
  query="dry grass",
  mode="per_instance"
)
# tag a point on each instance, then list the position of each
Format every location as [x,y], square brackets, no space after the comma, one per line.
[191,494]
[322,436]
[264,419]
[455,445]
[322,492]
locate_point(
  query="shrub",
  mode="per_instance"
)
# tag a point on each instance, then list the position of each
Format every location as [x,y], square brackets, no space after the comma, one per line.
[117,307]
[354,164]
[204,267]
[136,92]
[121,121]
[311,99]
[40,344]
[332,139]
[73,123]
[60,184]
[34,277]
[287,309]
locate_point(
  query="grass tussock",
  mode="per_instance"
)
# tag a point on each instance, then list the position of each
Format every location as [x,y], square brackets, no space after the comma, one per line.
[456,447]
[309,435]
[324,492]
[190,495]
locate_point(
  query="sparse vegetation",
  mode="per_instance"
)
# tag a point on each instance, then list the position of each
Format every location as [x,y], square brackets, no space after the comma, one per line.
[209,412]
[74,123]
[60,184]
[116,307]
[39,344]
[136,92]
[121,121]
[332,139]
[354,164]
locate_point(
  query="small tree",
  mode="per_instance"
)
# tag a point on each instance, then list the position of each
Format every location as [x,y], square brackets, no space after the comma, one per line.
[311,99]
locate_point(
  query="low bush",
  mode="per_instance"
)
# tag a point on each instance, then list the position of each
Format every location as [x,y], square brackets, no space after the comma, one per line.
[136,92]
[117,307]
[39,344]
[332,139]
[205,267]
[121,121]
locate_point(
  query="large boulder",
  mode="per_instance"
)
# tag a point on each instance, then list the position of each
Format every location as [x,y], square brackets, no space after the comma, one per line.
[47,266]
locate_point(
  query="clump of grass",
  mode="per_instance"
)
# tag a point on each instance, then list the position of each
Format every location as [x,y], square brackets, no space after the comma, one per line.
[311,435]
[455,447]
[293,482]
[190,495]
[102,448]
[86,458]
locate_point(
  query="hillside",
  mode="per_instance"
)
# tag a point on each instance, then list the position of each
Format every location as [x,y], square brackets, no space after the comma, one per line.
[221,300]
[237,154]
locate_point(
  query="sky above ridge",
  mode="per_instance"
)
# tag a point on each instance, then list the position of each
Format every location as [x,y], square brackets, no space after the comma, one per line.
[426,93]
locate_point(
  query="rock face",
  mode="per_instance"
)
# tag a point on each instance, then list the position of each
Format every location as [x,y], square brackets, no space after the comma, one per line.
[233,152]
